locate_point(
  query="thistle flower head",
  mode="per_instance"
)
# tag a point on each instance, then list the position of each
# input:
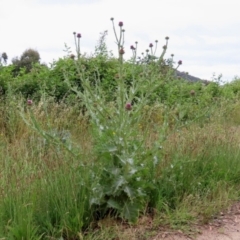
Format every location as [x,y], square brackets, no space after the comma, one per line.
[150,45]
[121,51]
[180,62]
[72,56]
[79,35]
[29,102]
[120,24]
[167,38]
[111,18]
[132,47]
[128,106]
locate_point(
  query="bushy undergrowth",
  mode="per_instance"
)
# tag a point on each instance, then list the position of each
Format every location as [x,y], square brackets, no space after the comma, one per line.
[96,136]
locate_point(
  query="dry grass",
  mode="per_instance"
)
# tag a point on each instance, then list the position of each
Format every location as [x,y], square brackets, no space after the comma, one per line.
[195,139]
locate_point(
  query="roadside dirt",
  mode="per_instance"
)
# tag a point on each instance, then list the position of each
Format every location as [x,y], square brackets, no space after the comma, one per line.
[226,226]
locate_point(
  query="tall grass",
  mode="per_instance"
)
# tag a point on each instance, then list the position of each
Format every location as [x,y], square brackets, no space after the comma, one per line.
[46,190]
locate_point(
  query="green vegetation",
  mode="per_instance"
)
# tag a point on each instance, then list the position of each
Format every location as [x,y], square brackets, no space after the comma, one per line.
[94,144]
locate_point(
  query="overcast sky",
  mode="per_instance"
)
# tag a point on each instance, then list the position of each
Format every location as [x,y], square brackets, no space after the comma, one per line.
[204,34]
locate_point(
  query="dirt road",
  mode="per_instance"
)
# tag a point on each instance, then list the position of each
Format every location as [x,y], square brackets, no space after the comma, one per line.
[225,227]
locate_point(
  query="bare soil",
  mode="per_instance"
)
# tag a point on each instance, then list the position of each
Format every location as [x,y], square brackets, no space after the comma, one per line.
[226,226]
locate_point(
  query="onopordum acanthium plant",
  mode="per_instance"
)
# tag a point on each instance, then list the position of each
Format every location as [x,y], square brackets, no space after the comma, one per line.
[126,181]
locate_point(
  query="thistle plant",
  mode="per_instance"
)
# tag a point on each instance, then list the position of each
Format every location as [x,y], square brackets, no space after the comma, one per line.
[77,37]
[125,183]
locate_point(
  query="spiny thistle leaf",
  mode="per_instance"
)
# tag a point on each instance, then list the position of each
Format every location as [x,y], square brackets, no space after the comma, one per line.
[131,211]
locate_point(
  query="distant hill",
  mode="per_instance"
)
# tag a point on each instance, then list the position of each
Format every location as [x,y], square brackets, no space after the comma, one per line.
[190,78]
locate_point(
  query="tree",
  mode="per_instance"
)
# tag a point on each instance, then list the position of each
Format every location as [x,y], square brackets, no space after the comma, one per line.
[27,59]
[4,57]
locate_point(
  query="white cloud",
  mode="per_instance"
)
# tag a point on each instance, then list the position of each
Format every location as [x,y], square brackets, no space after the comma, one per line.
[202,33]
[211,40]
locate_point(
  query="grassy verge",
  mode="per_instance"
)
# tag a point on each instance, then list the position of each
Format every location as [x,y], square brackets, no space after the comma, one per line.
[46,190]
